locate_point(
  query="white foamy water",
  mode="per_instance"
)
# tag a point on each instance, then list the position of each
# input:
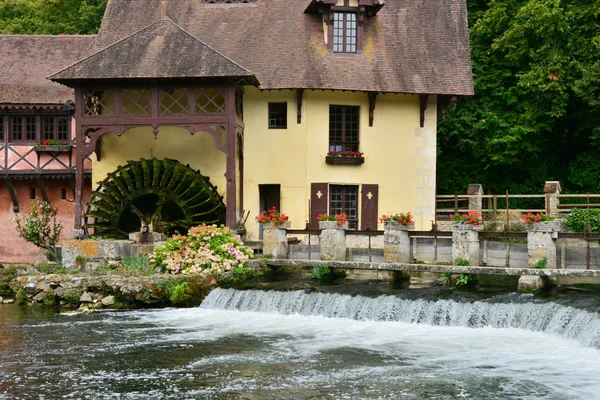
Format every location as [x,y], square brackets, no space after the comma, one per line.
[292,345]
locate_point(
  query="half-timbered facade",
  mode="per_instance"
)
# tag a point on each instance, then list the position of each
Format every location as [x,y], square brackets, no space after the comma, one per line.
[313,106]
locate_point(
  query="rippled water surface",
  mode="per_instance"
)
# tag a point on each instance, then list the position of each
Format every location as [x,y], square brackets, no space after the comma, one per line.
[222,353]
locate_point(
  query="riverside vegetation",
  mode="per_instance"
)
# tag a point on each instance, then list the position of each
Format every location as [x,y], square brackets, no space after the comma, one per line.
[181,273]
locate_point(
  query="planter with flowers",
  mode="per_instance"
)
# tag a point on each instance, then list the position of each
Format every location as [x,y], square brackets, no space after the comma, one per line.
[275,240]
[345,157]
[338,221]
[401,221]
[465,236]
[540,222]
[51,146]
[333,236]
[396,239]
[541,232]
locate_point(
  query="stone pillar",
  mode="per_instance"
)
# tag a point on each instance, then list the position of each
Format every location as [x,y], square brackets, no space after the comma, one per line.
[541,242]
[465,242]
[396,242]
[475,203]
[333,241]
[532,283]
[552,190]
[275,240]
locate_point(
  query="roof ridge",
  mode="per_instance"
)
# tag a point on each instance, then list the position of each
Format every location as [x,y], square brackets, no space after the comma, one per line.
[162,19]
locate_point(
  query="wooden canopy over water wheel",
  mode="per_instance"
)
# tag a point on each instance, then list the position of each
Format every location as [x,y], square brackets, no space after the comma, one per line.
[164,194]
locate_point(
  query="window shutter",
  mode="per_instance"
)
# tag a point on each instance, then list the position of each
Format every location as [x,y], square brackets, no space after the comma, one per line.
[369,210]
[319,197]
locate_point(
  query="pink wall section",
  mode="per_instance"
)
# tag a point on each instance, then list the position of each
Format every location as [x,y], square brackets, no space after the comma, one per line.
[12,248]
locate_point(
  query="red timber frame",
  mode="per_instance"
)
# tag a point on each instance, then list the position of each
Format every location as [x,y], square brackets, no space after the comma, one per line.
[225,127]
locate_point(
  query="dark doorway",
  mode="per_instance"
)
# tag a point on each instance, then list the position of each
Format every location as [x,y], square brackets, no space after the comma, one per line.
[270,196]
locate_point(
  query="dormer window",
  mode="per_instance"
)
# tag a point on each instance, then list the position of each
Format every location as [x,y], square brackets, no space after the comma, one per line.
[344,32]
[344,21]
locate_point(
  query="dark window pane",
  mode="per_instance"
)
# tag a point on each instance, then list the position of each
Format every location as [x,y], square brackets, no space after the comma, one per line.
[49,128]
[277,115]
[17,128]
[343,128]
[30,128]
[63,128]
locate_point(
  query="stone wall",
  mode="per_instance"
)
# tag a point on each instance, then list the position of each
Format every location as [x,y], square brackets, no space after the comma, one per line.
[107,290]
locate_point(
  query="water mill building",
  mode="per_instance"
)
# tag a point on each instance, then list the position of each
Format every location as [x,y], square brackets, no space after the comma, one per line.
[186,111]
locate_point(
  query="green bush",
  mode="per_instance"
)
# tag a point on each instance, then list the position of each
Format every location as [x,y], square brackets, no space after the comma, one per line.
[72,296]
[20,296]
[579,217]
[183,293]
[461,262]
[138,264]
[321,272]
[6,276]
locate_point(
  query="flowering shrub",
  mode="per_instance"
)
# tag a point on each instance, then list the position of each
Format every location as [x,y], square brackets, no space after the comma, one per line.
[471,218]
[51,143]
[272,216]
[345,154]
[205,250]
[341,219]
[402,219]
[530,218]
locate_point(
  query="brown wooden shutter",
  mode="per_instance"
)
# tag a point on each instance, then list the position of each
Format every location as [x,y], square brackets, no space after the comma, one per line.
[319,198]
[369,210]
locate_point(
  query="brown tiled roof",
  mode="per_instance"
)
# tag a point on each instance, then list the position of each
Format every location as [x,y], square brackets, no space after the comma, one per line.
[26,61]
[159,50]
[411,46]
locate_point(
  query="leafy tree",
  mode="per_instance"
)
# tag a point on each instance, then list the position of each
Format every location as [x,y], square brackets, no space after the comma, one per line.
[40,227]
[535,115]
[51,17]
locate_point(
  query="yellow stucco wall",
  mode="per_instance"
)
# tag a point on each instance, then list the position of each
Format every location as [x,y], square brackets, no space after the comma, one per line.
[198,150]
[399,154]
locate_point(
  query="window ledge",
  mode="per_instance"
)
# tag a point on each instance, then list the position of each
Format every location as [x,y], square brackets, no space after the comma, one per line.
[333,160]
[52,149]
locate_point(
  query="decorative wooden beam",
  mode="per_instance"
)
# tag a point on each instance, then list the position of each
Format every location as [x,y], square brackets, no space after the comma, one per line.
[13,194]
[423,98]
[372,104]
[299,93]
[40,182]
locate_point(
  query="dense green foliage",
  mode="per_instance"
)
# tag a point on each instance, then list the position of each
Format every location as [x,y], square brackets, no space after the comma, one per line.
[536,112]
[580,217]
[51,17]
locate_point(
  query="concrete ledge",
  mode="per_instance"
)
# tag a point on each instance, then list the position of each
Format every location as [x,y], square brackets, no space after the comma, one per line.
[477,270]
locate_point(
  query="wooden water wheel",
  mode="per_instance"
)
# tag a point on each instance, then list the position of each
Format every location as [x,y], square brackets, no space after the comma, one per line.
[164,194]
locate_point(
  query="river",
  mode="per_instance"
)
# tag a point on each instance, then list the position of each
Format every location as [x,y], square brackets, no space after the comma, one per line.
[299,345]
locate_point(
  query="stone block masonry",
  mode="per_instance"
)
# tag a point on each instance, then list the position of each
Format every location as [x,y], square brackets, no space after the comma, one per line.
[275,242]
[333,242]
[465,243]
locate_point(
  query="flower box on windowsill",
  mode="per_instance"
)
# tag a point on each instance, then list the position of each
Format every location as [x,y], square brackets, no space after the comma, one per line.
[344,160]
[40,148]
